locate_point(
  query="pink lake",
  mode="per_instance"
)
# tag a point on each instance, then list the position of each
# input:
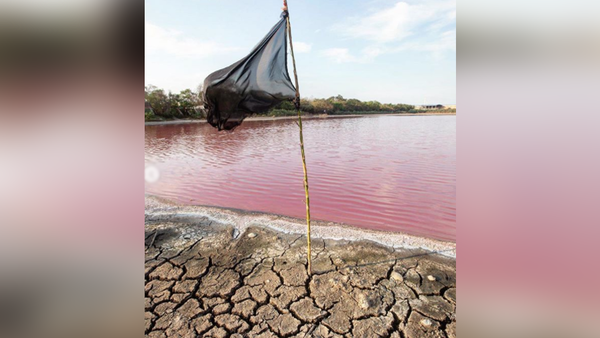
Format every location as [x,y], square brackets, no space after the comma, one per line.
[393,173]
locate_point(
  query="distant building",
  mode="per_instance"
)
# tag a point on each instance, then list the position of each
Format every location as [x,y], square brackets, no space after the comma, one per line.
[435,106]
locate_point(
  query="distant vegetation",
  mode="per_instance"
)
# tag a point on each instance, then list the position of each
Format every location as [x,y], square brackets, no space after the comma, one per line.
[338,105]
[185,105]
[188,105]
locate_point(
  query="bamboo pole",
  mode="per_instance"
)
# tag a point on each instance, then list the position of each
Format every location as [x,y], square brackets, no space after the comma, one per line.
[297,103]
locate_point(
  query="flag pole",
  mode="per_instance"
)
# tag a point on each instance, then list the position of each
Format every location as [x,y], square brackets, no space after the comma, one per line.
[297,104]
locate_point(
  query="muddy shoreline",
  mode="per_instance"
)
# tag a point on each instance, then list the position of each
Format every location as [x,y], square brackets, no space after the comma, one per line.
[213,272]
[241,219]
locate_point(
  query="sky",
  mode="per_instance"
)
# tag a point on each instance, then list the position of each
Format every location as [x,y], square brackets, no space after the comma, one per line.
[384,50]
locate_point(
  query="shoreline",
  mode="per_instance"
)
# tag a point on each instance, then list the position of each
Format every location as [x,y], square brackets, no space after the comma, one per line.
[156,207]
[307,117]
[211,272]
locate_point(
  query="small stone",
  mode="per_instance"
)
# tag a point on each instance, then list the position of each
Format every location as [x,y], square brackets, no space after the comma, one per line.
[396,276]
[431,278]
[426,322]
[251,235]
[187,236]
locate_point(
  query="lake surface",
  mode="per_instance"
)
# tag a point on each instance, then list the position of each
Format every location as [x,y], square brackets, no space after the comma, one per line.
[394,173]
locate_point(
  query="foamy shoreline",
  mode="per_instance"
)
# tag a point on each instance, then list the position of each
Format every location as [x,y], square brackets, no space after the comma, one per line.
[241,220]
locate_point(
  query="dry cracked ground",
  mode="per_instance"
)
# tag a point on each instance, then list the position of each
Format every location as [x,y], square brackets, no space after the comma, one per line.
[208,280]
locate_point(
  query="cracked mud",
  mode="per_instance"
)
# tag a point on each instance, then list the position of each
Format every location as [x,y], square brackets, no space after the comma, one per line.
[204,279]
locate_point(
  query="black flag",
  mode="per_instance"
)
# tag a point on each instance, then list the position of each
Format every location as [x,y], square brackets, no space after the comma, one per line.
[252,85]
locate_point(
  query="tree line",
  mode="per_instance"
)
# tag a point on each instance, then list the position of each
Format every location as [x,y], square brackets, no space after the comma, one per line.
[188,104]
[162,105]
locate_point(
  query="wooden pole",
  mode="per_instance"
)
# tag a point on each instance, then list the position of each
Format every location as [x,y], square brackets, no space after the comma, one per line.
[297,103]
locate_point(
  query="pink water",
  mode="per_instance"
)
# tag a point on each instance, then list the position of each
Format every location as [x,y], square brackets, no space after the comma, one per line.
[394,173]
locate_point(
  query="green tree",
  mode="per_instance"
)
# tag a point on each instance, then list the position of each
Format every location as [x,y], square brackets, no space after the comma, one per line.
[354,105]
[322,106]
[388,107]
[175,105]
[338,106]
[189,102]
[286,105]
[159,102]
[307,106]
[373,106]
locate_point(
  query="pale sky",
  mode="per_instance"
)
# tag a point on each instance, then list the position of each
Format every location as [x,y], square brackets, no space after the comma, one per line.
[389,51]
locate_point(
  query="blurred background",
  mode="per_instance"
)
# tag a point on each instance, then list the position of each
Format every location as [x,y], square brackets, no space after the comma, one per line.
[528,164]
[71,168]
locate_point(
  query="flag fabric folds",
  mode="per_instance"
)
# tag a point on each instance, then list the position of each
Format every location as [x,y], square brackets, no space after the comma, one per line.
[255,84]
